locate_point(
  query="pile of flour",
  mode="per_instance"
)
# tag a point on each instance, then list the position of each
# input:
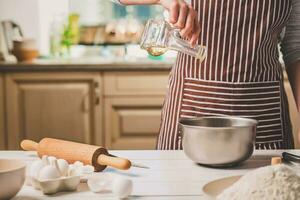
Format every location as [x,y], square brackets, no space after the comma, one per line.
[278,182]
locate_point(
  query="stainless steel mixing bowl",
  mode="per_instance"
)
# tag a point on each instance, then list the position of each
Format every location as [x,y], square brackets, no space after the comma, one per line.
[218,141]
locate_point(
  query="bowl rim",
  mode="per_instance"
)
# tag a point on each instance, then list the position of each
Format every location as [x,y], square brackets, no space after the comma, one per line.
[253,121]
[21,165]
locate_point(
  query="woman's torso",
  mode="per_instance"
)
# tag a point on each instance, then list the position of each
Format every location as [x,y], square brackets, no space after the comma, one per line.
[241,75]
[242,38]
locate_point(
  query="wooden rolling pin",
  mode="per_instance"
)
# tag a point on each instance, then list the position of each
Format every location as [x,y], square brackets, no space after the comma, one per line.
[73,151]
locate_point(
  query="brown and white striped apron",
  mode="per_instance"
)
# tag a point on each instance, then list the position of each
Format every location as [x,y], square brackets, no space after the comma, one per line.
[241,76]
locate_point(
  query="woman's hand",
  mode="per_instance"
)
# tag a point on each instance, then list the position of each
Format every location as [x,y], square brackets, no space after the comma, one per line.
[184,17]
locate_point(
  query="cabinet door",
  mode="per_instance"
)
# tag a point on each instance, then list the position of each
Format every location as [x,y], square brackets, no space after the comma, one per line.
[58,105]
[135,83]
[133,122]
[2,116]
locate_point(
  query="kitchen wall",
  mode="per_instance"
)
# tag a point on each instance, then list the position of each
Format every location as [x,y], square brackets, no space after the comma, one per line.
[22,12]
[92,12]
[95,12]
[34,17]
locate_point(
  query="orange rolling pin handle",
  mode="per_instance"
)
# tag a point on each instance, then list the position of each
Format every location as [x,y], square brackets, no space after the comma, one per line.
[116,162]
[29,145]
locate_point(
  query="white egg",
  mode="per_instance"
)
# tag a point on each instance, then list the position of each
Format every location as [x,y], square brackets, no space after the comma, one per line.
[87,169]
[45,160]
[122,187]
[51,160]
[62,167]
[48,172]
[71,169]
[98,185]
[74,170]
[35,167]
[101,182]
[78,167]
[78,164]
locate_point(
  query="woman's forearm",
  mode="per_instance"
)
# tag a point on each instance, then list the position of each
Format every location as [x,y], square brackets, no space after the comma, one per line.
[139,2]
[294,77]
[293,72]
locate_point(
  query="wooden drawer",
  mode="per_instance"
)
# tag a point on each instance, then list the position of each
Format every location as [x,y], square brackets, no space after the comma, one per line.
[132,123]
[135,83]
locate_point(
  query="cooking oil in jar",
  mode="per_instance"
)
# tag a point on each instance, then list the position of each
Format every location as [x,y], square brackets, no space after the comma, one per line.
[159,36]
[156,51]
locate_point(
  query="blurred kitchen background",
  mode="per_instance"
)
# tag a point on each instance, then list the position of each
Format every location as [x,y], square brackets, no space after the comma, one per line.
[73,69]
[77,28]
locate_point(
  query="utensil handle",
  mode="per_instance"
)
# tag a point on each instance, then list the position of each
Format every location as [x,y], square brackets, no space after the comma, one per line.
[116,162]
[29,145]
[290,157]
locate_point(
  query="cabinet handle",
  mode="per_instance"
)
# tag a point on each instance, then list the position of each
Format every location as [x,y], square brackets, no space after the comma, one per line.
[97,95]
[85,104]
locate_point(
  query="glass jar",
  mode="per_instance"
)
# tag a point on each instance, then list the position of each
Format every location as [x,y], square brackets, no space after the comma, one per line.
[159,36]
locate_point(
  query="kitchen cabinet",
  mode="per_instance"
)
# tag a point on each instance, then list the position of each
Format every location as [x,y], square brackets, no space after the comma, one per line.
[2,116]
[119,110]
[133,103]
[132,122]
[59,105]
[136,83]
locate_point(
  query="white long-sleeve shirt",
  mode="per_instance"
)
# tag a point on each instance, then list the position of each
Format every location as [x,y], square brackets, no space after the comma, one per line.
[291,40]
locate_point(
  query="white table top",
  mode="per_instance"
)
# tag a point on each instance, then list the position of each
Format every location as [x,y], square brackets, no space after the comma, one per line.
[171,175]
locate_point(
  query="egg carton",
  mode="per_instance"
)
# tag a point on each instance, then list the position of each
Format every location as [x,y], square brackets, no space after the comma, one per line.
[51,175]
[53,186]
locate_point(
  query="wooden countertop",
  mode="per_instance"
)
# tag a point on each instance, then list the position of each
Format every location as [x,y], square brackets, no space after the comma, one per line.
[86,64]
[171,175]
